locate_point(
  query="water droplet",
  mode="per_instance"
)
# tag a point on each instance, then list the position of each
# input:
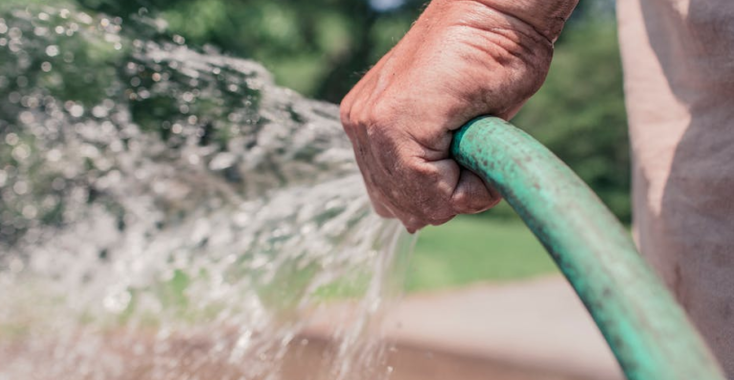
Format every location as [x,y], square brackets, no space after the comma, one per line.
[21,152]
[52,50]
[58,184]
[222,161]
[117,301]
[29,211]
[143,93]
[11,139]
[99,112]
[16,265]
[14,97]
[27,117]
[84,18]
[20,187]
[53,155]
[15,33]
[46,67]
[76,110]
[40,31]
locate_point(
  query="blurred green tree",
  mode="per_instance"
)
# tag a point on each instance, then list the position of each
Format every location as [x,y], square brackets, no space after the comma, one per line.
[317,47]
[580,115]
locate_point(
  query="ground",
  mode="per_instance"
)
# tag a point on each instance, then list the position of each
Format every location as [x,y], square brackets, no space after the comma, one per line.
[476,248]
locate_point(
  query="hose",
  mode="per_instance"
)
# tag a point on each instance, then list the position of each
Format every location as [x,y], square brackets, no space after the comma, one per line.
[646,329]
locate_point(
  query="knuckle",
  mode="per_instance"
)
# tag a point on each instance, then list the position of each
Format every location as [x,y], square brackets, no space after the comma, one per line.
[359,116]
[346,104]
[345,114]
[426,174]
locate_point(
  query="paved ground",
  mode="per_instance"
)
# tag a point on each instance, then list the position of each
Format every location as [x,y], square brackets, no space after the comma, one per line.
[537,325]
[534,330]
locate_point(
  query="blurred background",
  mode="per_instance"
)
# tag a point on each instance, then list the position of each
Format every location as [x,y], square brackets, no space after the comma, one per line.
[321,48]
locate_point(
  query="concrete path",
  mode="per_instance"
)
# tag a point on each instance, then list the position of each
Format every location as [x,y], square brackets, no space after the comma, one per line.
[538,324]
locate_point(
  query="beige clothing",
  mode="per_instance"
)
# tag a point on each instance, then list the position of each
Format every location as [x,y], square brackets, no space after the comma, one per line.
[678,58]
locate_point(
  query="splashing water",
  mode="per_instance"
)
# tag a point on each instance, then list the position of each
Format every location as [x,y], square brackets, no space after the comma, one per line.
[172,214]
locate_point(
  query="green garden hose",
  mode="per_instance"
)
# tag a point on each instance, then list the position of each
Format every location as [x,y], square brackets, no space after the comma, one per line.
[646,329]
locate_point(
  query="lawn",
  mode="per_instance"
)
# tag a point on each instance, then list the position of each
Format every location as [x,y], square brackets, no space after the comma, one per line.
[475,248]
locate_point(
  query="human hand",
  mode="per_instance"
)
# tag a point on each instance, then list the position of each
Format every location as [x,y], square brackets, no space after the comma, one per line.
[460,60]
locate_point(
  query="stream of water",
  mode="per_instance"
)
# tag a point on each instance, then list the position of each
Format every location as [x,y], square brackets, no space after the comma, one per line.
[170,213]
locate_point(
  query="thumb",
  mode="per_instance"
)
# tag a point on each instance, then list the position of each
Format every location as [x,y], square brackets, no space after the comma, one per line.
[473,195]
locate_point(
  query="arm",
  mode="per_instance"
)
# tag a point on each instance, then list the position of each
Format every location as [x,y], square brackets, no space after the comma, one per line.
[461,59]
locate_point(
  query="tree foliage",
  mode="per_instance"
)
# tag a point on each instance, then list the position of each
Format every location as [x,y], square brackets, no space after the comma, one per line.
[579,113]
[317,47]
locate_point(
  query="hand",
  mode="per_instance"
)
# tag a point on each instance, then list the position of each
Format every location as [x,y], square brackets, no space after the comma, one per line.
[460,60]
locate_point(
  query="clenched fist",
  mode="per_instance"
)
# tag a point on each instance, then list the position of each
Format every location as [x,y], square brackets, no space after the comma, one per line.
[461,59]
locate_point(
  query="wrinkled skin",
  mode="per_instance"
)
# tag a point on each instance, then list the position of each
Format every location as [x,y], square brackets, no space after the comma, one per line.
[460,60]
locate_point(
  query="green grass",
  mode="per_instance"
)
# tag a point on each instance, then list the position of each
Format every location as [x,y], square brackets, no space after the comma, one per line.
[472,249]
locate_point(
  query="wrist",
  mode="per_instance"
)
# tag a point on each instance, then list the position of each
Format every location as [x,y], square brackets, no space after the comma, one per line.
[545,17]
